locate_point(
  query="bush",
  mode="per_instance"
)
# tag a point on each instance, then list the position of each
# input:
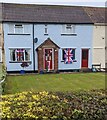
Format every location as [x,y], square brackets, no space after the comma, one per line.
[44,105]
[3,77]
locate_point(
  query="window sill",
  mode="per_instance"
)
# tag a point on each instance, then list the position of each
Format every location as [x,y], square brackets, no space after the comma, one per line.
[67,34]
[73,60]
[45,34]
[18,34]
[19,61]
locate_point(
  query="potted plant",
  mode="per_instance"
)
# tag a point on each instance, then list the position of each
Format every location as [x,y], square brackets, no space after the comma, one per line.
[24,65]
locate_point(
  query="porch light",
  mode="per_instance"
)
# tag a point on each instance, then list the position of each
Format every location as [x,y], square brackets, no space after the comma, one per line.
[35,40]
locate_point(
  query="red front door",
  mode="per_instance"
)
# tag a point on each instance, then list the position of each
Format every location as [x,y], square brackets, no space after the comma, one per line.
[85,58]
[48,59]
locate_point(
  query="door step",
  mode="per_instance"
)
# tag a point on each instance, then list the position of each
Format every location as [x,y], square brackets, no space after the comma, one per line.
[85,70]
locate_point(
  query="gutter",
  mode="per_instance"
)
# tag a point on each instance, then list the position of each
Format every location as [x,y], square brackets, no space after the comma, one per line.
[100,24]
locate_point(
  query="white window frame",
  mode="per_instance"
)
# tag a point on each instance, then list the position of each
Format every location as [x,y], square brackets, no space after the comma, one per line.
[65,48]
[66,29]
[24,54]
[0,54]
[52,58]
[46,29]
[21,26]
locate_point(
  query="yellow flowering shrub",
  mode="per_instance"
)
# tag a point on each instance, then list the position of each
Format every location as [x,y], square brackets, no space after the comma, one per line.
[54,106]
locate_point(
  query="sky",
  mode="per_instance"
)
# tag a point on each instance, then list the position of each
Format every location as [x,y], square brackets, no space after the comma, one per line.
[99,3]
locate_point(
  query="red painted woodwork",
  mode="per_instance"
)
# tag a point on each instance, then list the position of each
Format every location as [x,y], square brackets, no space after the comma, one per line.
[85,53]
[48,59]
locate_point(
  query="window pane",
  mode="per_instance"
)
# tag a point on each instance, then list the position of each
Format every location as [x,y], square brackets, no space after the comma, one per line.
[20,54]
[68,29]
[27,55]
[73,52]
[63,28]
[12,55]
[11,28]
[19,29]
[73,28]
[68,52]
[46,29]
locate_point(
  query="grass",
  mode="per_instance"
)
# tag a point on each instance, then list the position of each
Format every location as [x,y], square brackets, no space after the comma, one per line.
[54,82]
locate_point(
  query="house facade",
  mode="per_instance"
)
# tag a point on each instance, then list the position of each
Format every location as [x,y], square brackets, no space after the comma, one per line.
[54,42]
[47,38]
[97,15]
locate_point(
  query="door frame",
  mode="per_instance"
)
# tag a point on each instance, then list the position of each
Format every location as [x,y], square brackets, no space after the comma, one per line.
[52,58]
[82,57]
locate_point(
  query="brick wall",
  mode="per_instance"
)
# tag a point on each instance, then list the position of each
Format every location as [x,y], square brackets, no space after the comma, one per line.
[56,59]
[40,59]
[47,44]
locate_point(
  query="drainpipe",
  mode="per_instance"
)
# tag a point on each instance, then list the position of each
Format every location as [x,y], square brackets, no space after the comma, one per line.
[33,50]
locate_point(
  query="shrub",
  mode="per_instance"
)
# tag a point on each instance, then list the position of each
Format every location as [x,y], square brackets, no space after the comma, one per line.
[3,77]
[44,105]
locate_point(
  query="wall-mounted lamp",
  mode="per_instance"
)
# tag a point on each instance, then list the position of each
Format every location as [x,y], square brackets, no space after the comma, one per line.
[35,40]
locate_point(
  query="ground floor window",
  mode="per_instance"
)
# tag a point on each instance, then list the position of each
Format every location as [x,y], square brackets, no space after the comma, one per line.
[0,54]
[19,55]
[68,55]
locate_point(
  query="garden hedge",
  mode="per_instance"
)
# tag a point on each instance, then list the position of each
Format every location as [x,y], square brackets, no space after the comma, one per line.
[90,105]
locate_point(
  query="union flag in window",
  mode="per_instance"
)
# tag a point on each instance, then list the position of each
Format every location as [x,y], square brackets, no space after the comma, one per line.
[20,54]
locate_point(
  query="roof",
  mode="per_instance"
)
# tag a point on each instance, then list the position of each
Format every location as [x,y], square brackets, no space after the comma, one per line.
[51,13]
[97,14]
[47,42]
[44,13]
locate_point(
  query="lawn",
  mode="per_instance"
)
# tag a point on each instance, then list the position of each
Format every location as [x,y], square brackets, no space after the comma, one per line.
[54,82]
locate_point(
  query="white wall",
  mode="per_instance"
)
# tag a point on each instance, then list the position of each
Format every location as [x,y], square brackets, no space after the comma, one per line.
[12,40]
[99,45]
[83,39]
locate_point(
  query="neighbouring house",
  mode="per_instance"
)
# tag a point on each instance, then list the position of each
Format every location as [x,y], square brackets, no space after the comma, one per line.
[97,16]
[47,37]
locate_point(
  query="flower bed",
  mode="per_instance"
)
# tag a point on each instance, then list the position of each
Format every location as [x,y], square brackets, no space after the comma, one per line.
[44,105]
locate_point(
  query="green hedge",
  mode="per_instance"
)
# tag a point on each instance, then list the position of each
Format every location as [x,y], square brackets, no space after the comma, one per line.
[2,78]
[91,105]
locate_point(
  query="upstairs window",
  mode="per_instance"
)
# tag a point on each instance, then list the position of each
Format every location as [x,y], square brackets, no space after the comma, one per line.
[20,55]
[68,29]
[46,30]
[18,29]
